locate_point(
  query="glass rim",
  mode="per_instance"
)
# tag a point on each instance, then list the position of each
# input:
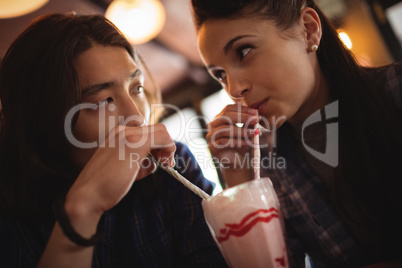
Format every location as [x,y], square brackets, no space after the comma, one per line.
[234,188]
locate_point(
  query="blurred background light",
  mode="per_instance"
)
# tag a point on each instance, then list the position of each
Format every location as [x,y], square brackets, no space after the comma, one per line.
[345,39]
[139,20]
[16,8]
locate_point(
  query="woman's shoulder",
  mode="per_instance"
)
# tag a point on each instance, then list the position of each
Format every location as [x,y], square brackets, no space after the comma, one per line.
[388,79]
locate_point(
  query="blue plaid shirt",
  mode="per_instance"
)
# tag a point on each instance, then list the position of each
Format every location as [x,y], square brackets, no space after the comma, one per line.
[159,223]
[313,225]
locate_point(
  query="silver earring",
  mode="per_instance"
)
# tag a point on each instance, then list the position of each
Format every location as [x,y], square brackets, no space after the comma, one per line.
[314,48]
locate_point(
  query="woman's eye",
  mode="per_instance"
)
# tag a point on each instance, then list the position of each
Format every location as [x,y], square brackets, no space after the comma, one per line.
[220,75]
[138,89]
[243,51]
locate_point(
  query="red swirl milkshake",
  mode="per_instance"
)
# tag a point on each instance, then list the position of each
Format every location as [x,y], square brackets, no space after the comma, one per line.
[246,223]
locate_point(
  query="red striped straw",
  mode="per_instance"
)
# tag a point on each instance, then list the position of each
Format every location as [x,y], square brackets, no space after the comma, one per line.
[257,153]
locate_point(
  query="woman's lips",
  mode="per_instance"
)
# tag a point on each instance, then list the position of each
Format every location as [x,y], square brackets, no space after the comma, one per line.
[260,106]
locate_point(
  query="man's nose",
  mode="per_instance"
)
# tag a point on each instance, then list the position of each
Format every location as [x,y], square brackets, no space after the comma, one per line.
[130,114]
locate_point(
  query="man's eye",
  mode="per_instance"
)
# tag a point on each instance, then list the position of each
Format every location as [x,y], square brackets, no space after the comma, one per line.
[138,89]
[105,102]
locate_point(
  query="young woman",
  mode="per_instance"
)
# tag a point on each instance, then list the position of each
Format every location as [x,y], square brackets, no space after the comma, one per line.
[74,139]
[335,127]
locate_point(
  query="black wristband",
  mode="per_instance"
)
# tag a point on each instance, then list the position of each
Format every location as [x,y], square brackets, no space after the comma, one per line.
[68,230]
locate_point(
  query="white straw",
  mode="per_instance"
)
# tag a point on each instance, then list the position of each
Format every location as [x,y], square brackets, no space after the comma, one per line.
[182,179]
[257,153]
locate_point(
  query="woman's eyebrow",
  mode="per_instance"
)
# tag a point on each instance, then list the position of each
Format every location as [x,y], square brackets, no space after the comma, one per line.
[212,68]
[96,88]
[229,45]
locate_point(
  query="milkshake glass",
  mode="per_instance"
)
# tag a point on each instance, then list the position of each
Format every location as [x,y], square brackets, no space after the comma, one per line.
[247,225]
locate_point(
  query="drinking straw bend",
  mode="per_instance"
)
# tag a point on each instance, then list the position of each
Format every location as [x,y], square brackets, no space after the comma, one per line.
[180,178]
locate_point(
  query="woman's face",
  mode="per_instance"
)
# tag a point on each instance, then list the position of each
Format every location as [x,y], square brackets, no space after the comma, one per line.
[257,64]
[112,90]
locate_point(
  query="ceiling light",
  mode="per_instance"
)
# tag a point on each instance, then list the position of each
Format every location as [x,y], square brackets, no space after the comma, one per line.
[15,8]
[345,39]
[139,20]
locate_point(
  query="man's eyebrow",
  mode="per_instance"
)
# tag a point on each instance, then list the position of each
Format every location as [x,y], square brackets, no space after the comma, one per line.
[96,88]
[229,45]
[137,73]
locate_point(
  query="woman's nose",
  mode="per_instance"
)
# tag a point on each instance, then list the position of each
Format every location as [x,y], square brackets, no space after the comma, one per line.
[237,87]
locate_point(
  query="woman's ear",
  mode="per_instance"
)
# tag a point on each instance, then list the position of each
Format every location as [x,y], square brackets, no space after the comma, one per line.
[312,28]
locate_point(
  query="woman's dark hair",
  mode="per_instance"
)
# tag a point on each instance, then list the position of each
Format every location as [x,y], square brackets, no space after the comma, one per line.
[38,86]
[367,181]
